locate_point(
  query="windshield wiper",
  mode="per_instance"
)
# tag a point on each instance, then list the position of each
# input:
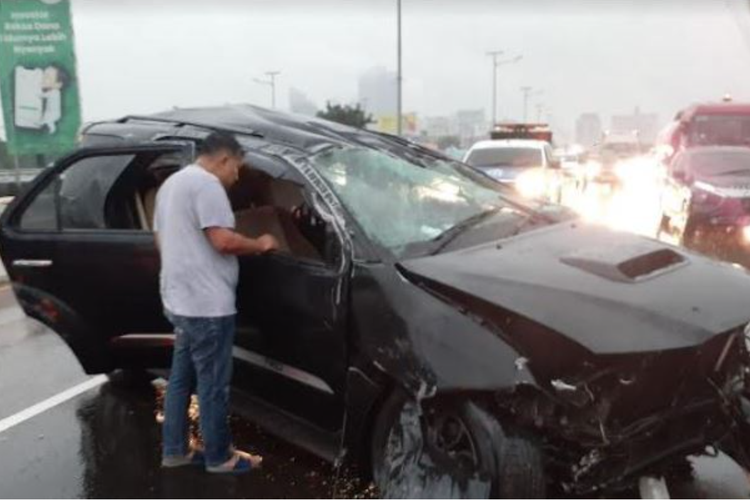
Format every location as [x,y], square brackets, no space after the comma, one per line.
[453,232]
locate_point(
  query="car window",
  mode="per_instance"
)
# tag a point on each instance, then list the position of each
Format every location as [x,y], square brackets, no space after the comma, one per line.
[42,214]
[720,130]
[720,163]
[399,203]
[505,156]
[75,198]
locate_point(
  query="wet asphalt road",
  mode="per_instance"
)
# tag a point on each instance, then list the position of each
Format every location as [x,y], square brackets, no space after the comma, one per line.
[104,442]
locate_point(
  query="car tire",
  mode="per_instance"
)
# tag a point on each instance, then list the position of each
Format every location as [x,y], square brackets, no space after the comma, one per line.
[131,378]
[506,465]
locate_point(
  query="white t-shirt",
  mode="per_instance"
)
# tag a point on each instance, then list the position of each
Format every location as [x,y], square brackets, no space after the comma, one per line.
[195,279]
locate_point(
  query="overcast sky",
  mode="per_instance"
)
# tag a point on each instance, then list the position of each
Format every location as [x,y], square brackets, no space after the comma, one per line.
[137,56]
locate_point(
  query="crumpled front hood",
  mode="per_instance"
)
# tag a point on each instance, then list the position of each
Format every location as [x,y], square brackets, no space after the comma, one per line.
[610,292]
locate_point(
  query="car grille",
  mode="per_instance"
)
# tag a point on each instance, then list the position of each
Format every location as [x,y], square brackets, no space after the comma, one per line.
[681,376]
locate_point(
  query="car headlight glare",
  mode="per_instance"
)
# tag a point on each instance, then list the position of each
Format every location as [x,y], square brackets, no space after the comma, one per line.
[531,184]
[593,168]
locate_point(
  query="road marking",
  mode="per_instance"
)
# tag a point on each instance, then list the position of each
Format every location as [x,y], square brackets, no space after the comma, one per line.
[50,403]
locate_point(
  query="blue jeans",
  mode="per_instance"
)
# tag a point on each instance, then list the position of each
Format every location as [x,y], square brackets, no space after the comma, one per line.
[202,359]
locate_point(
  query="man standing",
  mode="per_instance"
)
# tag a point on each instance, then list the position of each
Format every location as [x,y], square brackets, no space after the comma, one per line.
[194,224]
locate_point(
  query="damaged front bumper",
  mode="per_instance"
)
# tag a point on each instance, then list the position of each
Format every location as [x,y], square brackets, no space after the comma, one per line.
[628,416]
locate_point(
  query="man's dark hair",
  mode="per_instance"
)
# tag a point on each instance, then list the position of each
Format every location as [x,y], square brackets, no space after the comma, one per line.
[217,142]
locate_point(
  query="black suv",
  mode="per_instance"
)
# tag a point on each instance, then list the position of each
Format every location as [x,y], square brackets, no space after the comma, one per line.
[418,317]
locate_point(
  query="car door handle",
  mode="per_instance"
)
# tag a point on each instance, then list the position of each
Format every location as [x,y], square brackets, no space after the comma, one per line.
[32,263]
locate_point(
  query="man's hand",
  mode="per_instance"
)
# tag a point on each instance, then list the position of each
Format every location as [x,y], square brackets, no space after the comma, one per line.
[228,242]
[267,243]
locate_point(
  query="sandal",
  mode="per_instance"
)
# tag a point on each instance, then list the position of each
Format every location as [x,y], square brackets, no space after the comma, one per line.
[240,463]
[194,457]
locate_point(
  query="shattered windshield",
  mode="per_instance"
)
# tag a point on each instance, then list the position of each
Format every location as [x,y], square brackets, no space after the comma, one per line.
[399,203]
[511,157]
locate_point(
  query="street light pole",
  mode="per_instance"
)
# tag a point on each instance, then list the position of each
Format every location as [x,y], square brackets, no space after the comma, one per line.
[539,111]
[399,76]
[494,54]
[496,64]
[271,82]
[526,94]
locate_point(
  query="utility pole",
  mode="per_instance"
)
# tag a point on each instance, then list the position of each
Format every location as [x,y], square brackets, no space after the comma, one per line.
[271,82]
[496,64]
[539,111]
[399,77]
[527,92]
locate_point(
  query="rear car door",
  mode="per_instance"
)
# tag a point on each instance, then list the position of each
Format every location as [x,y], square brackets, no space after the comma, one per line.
[79,259]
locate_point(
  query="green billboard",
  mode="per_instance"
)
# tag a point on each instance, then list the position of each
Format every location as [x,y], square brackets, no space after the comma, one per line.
[40,99]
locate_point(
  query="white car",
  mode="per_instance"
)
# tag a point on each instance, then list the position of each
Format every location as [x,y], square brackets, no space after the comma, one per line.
[527,164]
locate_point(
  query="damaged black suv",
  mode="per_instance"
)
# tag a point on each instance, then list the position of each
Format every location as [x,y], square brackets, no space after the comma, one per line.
[418,318]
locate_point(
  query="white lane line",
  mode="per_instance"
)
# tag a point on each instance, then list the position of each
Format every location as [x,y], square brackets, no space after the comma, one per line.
[50,403]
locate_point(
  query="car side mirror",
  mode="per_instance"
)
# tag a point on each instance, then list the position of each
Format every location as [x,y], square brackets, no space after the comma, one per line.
[681,176]
[555,164]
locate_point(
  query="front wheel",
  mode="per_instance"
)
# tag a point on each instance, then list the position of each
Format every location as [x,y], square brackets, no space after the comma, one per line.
[456,450]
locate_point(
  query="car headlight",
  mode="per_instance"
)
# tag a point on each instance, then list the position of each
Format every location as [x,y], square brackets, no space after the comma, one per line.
[531,183]
[622,170]
[593,168]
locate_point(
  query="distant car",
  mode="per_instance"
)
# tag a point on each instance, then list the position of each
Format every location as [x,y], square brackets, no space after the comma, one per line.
[706,201]
[526,164]
[419,318]
[615,151]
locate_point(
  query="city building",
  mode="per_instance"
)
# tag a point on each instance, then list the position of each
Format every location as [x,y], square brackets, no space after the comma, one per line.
[438,126]
[300,103]
[471,125]
[646,124]
[588,129]
[378,92]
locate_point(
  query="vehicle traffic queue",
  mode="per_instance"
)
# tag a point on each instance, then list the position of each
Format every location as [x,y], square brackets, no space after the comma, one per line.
[691,188]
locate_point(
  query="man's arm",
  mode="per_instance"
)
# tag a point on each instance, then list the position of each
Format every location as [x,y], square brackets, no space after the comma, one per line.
[228,242]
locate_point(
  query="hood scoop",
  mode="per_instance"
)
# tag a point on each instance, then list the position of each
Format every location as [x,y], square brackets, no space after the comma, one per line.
[627,264]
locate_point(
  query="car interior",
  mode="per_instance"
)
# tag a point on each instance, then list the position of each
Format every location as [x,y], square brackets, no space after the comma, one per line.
[262,203]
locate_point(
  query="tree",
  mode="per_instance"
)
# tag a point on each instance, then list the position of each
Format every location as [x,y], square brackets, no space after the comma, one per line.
[346,114]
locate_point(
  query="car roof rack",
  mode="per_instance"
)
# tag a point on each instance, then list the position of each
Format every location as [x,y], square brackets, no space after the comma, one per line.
[183,123]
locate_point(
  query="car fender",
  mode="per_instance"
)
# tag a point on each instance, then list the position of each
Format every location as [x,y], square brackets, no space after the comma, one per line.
[89,348]
[424,344]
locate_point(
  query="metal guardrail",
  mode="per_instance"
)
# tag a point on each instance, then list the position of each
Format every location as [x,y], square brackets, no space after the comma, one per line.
[13,181]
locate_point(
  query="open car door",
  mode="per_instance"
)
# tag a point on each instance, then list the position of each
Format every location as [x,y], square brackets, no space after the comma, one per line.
[81,261]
